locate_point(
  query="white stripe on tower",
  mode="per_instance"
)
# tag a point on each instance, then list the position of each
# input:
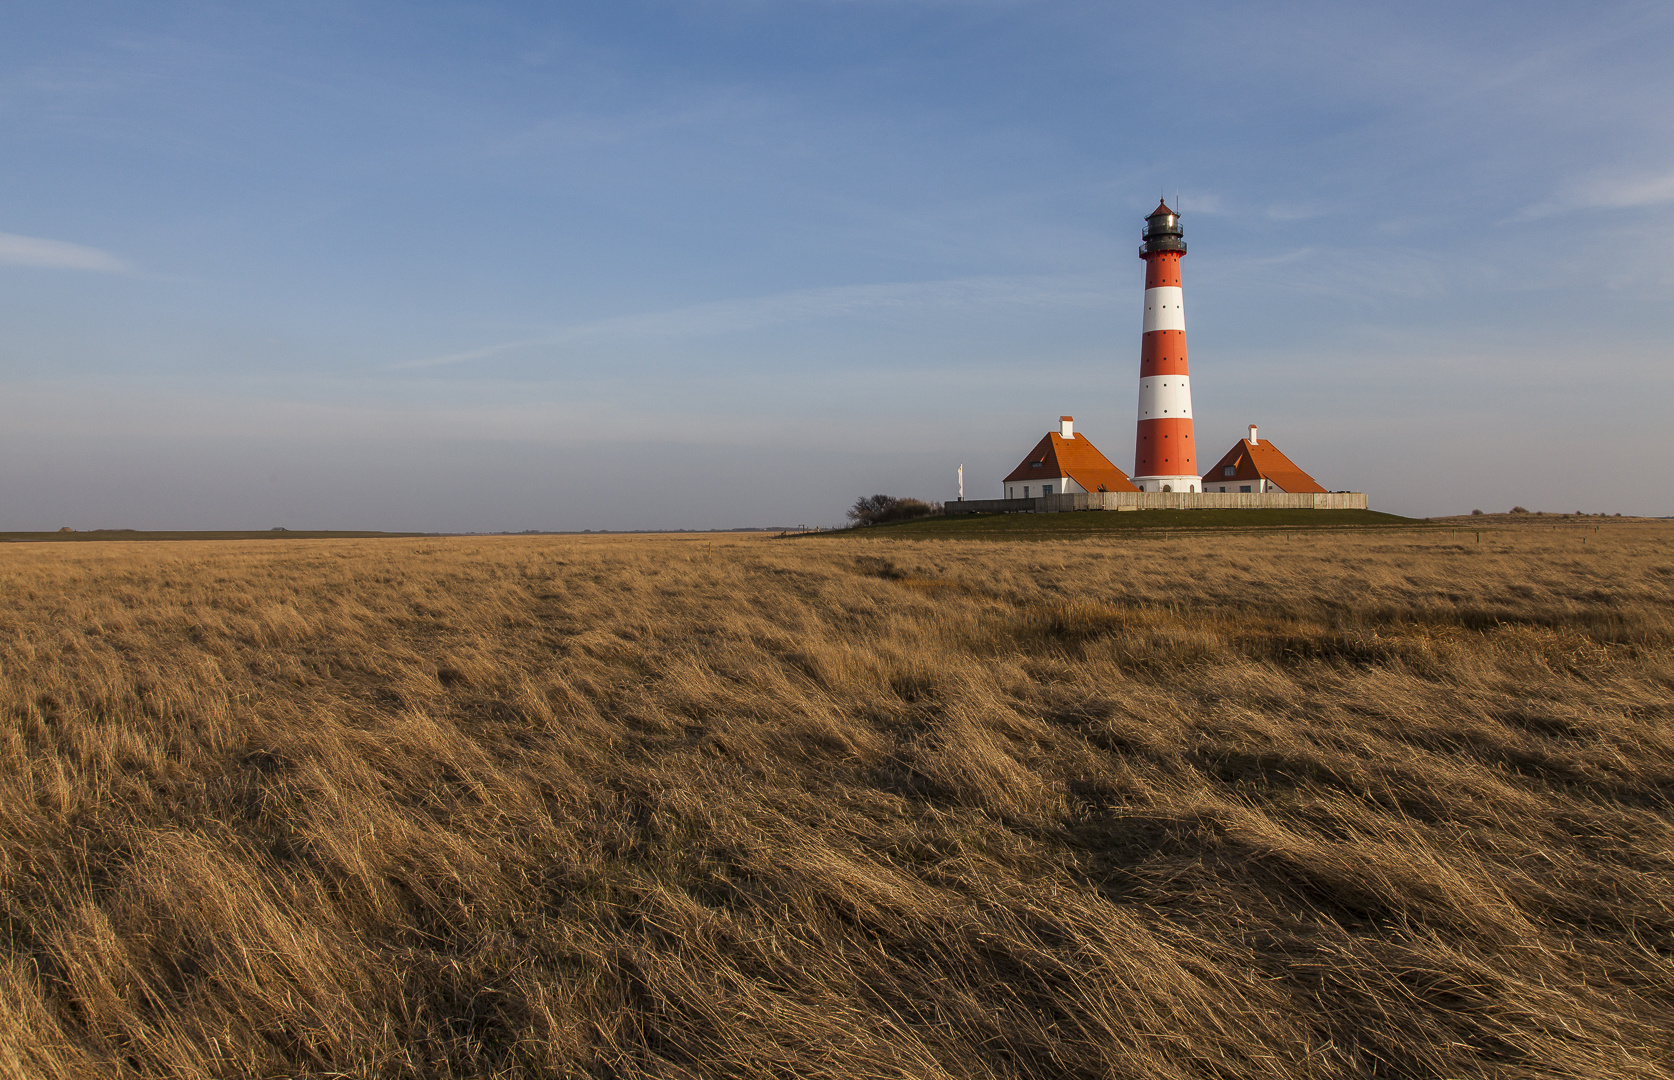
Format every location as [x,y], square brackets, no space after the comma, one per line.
[1165,309]
[1165,395]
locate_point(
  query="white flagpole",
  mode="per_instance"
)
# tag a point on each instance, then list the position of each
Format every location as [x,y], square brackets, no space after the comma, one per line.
[961,481]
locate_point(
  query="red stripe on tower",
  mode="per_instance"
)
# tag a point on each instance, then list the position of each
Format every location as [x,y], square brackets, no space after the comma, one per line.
[1165,454]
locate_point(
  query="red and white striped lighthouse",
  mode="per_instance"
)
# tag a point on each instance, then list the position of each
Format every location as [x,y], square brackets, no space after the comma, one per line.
[1165,455]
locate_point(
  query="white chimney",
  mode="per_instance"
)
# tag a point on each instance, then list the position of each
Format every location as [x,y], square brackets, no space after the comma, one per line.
[1066,426]
[1253,439]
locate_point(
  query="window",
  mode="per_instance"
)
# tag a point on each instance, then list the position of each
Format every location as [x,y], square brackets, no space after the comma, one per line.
[1223,487]
[1230,470]
[1245,489]
[1011,493]
[1026,490]
[1047,490]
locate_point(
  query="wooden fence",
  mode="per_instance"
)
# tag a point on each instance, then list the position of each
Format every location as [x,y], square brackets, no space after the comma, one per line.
[1162,500]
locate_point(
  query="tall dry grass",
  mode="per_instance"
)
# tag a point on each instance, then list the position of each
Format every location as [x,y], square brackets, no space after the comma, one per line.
[1256,806]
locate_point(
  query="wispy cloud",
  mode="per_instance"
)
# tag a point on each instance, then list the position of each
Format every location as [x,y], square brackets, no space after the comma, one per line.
[1606,193]
[1373,274]
[1295,212]
[833,410]
[1619,194]
[738,316]
[1199,202]
[56,254]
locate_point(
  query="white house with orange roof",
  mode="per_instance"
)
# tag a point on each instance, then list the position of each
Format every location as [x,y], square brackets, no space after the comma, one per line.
[1254,467]
[1064,463]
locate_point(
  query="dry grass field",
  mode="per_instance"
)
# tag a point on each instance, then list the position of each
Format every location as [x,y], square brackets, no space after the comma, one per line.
[1302,805]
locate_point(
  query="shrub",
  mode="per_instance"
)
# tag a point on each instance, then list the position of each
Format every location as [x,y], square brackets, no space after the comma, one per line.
[1476,513]
[876,509]
[1518,510]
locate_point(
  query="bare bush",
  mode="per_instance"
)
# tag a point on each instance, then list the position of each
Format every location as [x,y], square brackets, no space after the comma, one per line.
[877,509]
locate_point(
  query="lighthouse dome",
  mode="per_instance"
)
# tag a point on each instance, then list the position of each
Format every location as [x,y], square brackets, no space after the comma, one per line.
[1162,231]
[1163,222]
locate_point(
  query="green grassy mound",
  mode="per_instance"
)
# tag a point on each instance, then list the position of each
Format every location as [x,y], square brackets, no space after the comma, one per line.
[1091,522]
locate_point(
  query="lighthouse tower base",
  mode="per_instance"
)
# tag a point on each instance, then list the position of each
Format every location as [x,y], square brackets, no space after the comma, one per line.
[1177,484]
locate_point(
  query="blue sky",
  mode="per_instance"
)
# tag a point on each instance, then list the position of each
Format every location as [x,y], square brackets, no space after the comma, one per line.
[708,263]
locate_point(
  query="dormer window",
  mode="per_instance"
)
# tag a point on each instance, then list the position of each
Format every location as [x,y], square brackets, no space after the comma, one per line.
[1230,470]
[1036,464]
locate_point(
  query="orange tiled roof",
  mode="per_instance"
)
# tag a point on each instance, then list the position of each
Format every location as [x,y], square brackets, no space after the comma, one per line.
[1259,461]
[1075,458]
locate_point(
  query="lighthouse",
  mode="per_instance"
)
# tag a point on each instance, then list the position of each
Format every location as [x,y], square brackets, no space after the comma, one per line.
[1165,455]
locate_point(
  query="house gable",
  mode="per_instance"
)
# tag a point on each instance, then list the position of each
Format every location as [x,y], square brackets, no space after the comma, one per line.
[1076,458]
[1259,461]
